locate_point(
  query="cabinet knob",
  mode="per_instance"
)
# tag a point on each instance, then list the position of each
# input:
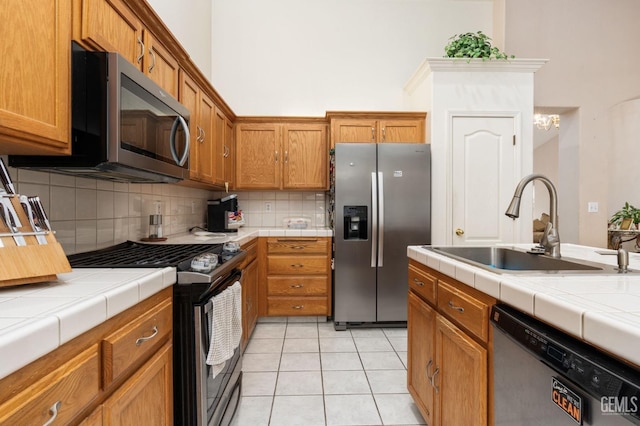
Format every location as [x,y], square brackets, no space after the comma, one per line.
[459,232]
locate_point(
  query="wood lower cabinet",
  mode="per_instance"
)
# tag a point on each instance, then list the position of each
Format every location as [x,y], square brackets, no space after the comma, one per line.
[377,127]
[281,155]
[249,291]
[147,397]
[450,345]
[35,117]
[297,276]
[101,377]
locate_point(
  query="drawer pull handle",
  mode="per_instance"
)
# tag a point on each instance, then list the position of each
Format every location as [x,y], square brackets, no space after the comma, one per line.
[420,283]
[296,285]
[298,247]
[297,265]
[433,380]
[141,340]
[457,308]
[54,412]
[298,307]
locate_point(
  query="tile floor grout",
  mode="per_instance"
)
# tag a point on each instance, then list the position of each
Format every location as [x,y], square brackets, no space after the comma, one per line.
[294,391]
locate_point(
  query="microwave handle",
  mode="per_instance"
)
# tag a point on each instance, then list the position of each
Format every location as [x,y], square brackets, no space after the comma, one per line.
[179,120]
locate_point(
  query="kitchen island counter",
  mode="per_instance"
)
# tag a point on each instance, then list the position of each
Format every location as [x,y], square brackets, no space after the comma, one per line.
[603,310]
[35,319]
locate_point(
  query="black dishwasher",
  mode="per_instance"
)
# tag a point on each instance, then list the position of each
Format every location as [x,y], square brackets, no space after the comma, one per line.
[543,376]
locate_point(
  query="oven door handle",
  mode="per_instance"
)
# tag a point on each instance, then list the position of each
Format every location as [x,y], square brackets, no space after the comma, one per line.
[221,284]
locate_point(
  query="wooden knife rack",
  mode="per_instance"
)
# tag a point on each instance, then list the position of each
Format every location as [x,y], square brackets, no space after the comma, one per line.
[33,262]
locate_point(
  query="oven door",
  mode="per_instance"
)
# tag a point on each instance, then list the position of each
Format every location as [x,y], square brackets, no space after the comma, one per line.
[216,397]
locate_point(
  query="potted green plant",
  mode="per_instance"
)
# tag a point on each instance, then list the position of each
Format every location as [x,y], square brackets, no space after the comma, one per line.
[473,45]
[626,216]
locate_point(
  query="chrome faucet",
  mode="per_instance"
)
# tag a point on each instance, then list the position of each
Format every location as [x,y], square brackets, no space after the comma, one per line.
[550,240]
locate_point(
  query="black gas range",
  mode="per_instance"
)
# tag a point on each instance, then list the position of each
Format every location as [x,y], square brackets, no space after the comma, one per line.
[200,398]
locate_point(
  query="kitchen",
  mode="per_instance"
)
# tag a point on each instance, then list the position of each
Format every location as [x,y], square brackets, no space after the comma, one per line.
[92,227]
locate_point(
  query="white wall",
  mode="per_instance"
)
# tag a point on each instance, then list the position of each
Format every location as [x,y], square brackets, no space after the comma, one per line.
[624,173]
[190,23]
[592,67]
[292,57]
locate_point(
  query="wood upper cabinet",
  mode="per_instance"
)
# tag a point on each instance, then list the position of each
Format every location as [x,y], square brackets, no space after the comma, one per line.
[111,25]
[36,78]
[377,127]
[201,132]
[305,156]
[281,155]
[258,155]
[229,154]
[449,347]
[160,65]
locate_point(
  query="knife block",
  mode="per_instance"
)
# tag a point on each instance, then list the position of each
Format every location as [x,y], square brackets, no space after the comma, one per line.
[33,262]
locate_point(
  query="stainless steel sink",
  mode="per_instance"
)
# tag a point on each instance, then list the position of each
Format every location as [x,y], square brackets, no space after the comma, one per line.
[509,260]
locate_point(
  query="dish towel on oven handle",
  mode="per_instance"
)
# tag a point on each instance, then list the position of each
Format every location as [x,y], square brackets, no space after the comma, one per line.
[226,327]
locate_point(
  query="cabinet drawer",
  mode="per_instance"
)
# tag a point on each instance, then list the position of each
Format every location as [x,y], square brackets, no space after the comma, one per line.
[297,286]
[464,310]
[423,283]
[297,306]
[298,265]
[297,246]
[136,341]
[71,388]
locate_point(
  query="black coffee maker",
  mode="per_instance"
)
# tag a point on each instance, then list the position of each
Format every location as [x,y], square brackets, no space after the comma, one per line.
[223,214]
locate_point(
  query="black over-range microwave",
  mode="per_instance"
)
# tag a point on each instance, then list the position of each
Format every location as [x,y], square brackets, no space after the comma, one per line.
[124,126]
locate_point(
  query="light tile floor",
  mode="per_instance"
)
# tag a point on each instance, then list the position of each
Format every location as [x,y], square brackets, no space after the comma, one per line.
[299,371]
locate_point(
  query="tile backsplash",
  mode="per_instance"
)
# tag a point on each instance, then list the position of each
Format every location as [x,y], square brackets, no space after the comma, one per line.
[87,214]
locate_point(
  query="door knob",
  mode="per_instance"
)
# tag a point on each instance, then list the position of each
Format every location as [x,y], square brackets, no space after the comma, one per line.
[459,232]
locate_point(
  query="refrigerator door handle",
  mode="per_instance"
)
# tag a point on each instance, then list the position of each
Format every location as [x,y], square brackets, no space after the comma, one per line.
[374,218]
[380,219]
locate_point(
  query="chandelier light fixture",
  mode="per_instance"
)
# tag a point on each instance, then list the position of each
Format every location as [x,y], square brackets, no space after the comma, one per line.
[545,121]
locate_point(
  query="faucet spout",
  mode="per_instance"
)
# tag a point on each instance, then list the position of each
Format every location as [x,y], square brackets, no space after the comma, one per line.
[550,240]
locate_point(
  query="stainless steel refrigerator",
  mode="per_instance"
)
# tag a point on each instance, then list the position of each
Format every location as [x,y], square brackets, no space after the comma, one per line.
[382,204]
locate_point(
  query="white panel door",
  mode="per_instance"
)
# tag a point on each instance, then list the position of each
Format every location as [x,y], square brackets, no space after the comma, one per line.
[483,179]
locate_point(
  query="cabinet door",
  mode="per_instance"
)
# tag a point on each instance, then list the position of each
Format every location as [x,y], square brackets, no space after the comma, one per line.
[160,65]
[62,393]
[36,78]
[189,96]
[146,397]
[111,26]
[483,178]
[305,156]
[460,378]
[206,113]
[354,130]
[219,128]
[229,153]
[401,131]
[250,300]
[258,156]
[420,355]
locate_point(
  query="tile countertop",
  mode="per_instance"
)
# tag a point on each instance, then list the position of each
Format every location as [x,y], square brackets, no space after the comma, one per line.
[37,318]
[244,235]
[603,310]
